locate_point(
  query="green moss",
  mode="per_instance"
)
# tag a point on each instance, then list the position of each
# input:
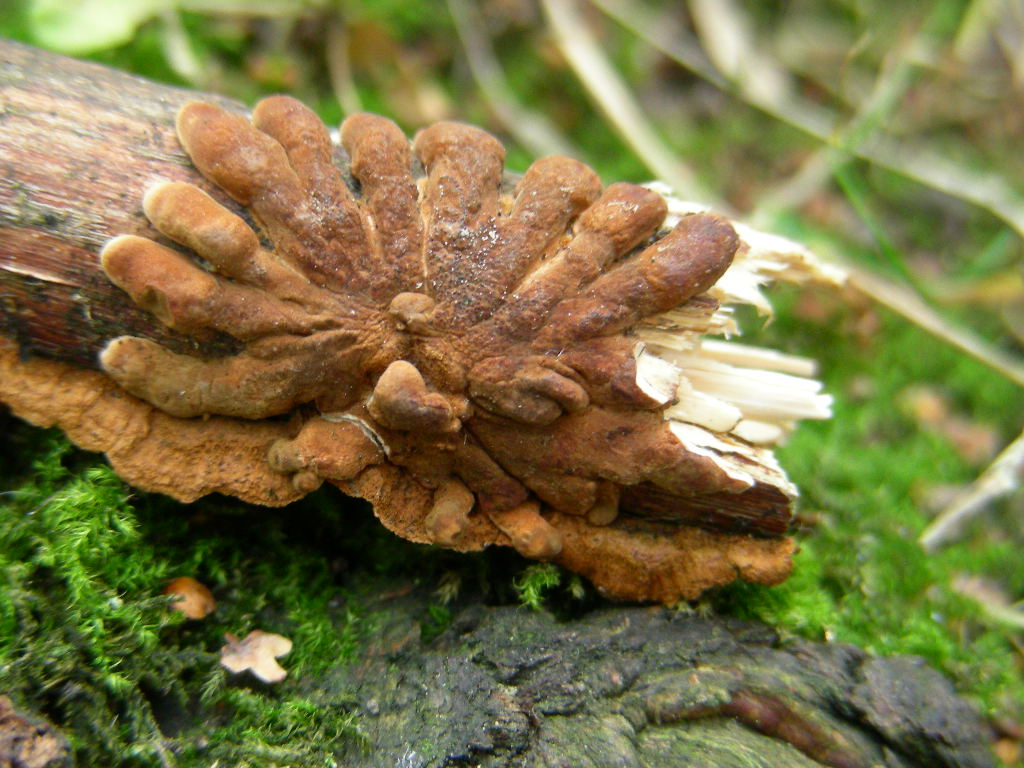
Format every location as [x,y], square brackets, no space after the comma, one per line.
[75,610]
[437,620]
[294,731]
[535,582]
[87,637]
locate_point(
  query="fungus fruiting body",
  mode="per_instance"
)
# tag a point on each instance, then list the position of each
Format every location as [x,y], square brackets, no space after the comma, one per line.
[191,598]
[487,362]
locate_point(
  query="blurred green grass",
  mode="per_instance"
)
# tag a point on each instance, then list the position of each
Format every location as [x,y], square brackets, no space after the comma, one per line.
[951,79]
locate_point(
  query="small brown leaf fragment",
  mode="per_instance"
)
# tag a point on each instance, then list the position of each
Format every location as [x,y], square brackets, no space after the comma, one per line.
[195,600]
[257,652]
[975,442]
[1008,751]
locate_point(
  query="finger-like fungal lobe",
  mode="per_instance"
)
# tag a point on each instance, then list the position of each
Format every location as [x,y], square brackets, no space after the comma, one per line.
[488,360]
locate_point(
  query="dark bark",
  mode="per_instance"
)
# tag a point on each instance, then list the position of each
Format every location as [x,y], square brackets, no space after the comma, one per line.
[646,687]
[79,146]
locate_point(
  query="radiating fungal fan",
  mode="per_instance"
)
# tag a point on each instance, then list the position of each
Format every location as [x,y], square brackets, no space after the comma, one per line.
[488,362]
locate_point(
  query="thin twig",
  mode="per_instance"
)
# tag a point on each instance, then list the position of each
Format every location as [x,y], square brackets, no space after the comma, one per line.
[1004,615]
[990,598]
[1001,478]
[339,67]
[529,128]
[178,50]
[928,167]
[612,95]
[909,304]
[728,38]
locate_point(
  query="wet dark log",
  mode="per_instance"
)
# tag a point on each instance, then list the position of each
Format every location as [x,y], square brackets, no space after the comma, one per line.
[507,687]
[645,687]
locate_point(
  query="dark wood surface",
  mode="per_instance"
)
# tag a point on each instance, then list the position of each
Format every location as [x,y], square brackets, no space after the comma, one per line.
[644,687]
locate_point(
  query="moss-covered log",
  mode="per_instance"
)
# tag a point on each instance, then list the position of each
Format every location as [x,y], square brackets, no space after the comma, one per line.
[624,687]
[646,687]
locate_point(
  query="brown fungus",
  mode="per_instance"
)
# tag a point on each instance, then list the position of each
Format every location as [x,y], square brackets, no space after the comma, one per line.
[193,599]
[487,363]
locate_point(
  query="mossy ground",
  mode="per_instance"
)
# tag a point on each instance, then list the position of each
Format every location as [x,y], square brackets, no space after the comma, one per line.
[86,636]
